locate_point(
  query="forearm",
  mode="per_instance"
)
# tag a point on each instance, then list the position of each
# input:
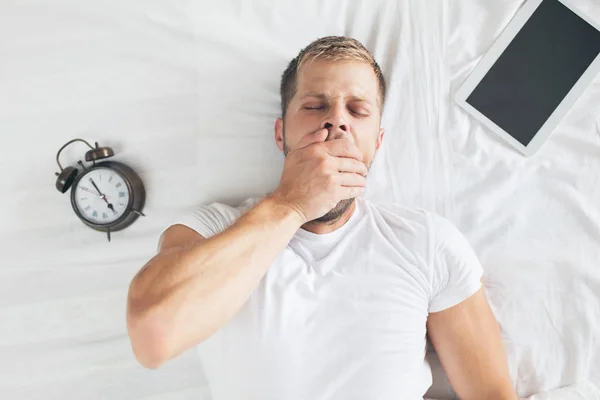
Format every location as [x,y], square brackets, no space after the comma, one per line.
[486,383]
[502,390]
[468,342]
[184,295]
[489,378]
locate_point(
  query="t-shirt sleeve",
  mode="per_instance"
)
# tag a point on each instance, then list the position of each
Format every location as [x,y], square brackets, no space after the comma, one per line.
[209,220]
[455,270]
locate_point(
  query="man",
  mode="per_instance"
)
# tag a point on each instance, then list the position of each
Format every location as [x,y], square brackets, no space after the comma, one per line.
[313,292]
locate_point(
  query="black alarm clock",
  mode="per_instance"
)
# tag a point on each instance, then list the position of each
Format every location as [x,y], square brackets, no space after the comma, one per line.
[107,196]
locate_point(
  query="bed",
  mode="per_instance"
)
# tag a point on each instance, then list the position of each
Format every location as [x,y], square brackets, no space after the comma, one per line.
[187,92]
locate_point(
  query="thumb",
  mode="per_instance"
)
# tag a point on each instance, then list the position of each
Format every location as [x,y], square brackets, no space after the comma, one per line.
[315,137]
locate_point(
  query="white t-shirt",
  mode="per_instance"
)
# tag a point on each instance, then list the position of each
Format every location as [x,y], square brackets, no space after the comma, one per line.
[340,316]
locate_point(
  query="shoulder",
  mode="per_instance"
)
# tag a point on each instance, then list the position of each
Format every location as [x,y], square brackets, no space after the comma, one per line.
[416,221]
[213,218]
[447,261]
[405,229]
[456,272]
[403,220]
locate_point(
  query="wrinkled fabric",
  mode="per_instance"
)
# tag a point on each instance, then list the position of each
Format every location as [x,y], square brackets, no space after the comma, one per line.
[186,93]
[340,315]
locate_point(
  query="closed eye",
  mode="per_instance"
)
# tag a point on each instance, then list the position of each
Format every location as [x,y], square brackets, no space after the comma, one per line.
[313,107]
[359,114]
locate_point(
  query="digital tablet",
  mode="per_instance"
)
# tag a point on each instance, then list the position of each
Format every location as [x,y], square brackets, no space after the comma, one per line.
[533,74]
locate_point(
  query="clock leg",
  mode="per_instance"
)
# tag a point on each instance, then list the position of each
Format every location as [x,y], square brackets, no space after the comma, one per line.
[138,212]
[108,234]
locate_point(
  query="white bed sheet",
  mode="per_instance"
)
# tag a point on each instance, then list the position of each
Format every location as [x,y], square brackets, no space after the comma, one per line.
[186,92]
[534,222]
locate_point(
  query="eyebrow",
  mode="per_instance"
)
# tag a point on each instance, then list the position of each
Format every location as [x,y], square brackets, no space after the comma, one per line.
[323,96]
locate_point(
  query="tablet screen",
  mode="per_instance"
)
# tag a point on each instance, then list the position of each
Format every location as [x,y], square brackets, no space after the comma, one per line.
[537,70]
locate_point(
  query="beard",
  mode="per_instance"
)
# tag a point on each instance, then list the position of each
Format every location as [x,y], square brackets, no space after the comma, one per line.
[335,213]
[340,208]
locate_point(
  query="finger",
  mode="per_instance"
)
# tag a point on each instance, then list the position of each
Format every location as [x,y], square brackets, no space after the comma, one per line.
[351,192]
[343,164]
[312,138]
[343,148]
[348,179]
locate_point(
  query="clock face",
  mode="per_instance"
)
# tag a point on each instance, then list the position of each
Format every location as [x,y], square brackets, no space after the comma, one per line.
[101,196]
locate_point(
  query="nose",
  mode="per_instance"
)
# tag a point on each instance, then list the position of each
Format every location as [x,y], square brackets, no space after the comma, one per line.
[335,123]
[333,133]
[329,126]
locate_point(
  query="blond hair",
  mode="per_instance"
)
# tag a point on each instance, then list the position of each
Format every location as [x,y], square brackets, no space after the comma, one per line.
[333,49]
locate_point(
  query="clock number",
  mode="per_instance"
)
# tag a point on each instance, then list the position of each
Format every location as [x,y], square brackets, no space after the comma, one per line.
[118,185]
[87,207]
[83,198]
[94,214]
[121,194]
[104,215]
[110,179]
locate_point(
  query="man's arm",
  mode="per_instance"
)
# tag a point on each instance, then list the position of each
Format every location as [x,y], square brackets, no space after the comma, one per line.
[467,340]
[193,286]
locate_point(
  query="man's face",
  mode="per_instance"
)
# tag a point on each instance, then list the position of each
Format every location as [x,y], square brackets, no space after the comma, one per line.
[340,96]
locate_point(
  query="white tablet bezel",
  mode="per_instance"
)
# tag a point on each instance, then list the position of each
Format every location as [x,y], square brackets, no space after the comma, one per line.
[494,53]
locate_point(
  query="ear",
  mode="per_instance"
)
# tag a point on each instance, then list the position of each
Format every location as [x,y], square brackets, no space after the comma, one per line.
[279,133]
[379,139]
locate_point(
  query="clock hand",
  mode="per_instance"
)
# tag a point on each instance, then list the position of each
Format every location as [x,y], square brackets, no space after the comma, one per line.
[103,196]
[93,183]
[88,190]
